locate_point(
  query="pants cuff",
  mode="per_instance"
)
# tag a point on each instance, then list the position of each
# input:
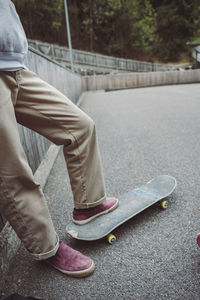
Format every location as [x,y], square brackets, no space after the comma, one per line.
[42,256]
[89,205]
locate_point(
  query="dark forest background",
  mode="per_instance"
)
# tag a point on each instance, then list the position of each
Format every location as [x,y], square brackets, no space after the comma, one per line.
[147,30]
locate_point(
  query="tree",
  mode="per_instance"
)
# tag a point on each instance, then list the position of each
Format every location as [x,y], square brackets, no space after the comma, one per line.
[143,25]
[175,26]
[41,19]
[137,29]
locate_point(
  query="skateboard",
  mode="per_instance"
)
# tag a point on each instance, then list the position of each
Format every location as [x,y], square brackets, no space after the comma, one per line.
[130,204]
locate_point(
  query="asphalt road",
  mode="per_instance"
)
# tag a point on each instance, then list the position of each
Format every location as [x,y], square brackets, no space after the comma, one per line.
[142,133]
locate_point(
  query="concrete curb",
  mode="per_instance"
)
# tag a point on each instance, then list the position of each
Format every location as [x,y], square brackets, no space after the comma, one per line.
[42,173]
[9,242]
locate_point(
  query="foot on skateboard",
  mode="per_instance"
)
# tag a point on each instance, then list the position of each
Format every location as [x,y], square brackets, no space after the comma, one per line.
[130,204]
[84,216]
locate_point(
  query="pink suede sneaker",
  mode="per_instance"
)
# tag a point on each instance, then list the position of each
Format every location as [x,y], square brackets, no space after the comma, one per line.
[71,262]
[198,239]
[83,216]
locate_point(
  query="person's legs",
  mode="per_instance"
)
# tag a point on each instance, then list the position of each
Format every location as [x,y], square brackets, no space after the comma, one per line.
[21,199]
[44,109]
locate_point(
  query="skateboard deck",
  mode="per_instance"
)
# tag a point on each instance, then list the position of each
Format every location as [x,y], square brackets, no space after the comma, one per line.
[130,204]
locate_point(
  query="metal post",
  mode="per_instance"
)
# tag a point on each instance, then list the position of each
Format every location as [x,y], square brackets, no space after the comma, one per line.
[69,35]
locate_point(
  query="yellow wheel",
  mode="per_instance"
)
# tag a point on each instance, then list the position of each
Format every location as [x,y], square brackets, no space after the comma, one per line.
[164,204]
[111,238]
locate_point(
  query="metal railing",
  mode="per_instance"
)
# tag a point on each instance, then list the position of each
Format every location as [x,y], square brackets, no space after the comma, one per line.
[97,62]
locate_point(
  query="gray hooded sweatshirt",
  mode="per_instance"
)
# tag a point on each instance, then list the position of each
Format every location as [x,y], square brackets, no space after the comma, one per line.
[13,42]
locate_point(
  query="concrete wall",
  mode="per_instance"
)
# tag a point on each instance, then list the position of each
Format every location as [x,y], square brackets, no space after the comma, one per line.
[134,80]
[41,153]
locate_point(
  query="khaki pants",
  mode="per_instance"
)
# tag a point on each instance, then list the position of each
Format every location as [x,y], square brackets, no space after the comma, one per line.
[26,99]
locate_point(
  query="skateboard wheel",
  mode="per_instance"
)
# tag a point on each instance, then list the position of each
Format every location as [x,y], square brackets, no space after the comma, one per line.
[111,238]
[164,204]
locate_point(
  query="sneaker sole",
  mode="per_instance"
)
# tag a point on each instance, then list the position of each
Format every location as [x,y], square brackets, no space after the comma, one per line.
[79,274]
[95,216]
